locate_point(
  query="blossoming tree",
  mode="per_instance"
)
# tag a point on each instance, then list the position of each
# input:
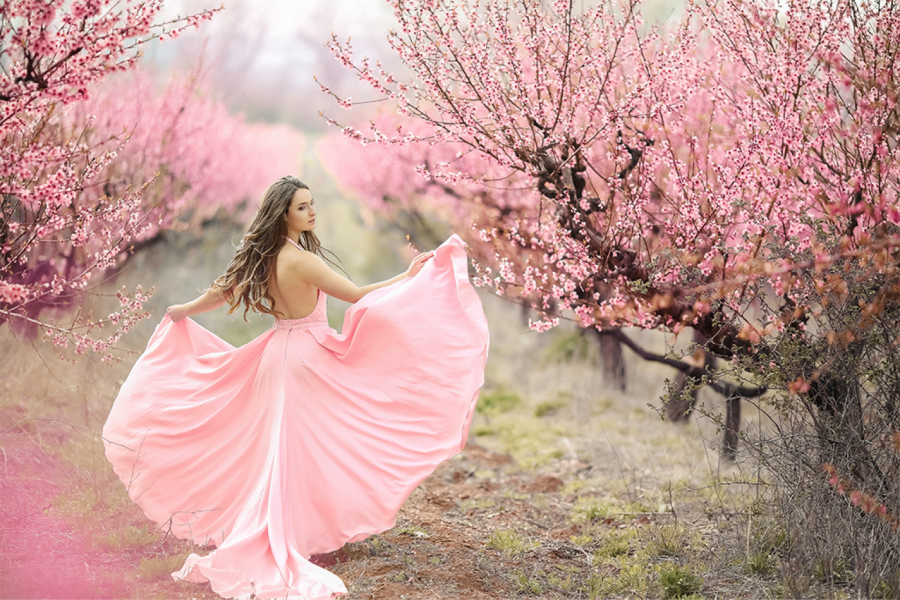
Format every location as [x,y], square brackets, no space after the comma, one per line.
[736,176]
[82,146]
[383,178]
[199,158]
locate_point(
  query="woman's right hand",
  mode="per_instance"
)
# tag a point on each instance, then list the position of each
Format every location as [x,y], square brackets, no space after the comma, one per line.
[177,312]
[417,263]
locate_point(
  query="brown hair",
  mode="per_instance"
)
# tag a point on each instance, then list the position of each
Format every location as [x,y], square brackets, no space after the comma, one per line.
[246,280]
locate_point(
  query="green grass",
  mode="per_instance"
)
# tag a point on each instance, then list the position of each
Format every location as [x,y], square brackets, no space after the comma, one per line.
[479,504]
[160,567]
[530,441]
[567,347]
[670,541]
[526,584]
[497,402]
[414,531]
[129,538]
[587,509]
[615,546]
[678,582]
[510,543]
[549,407]
[581,540]
[760,563]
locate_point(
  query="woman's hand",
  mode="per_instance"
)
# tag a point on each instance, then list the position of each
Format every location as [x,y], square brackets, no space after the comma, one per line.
[177,312]
[417,263]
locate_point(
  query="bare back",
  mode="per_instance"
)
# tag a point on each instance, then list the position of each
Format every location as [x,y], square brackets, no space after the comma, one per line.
[294,298]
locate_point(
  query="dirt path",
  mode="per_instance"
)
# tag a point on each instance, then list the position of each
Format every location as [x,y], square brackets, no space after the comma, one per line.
[479,527]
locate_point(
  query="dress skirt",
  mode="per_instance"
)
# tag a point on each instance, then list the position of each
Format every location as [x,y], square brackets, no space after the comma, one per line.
[303,439]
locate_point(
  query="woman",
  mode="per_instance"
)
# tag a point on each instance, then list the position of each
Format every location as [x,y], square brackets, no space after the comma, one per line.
[303,439]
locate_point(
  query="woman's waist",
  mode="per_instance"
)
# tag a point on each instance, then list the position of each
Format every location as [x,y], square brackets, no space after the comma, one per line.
[304,323]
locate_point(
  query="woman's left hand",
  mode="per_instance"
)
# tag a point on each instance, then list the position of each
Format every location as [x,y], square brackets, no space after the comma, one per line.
[177,312]
[417,263]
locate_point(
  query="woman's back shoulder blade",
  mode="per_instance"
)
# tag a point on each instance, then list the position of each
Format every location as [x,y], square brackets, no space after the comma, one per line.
[297,262]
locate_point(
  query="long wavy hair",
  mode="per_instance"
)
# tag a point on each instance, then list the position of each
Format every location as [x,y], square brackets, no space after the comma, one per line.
[246,280]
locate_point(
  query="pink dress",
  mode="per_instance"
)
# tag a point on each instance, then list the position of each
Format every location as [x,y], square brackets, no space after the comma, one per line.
[303,439]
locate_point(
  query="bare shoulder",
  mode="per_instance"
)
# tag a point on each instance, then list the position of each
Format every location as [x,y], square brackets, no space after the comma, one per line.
[298,261]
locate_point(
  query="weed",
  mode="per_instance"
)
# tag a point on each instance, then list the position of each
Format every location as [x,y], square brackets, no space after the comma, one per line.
[529,440]
[497,402]
[606,403]
[678,582]
[478,503]
[558,582]
[567,347]
[833,570]
[483,430]
[540,500]
[437,560]
[588,508]
[375,546]
[792,586]
[617,546]
[760,563]
[510,543]
[598,586]
[130,538]
[526,584]
[548,407]
[414,531]
[634,575]
[400,577]
[512,494]
[575,486]
[667,540]
[160,567]
[581,540]
[888,589]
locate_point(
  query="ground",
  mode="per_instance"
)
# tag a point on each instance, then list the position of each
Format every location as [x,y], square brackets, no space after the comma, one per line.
[480,527]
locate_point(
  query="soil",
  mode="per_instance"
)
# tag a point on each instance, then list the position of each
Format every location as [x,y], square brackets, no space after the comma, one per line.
[438,548]
[43,556]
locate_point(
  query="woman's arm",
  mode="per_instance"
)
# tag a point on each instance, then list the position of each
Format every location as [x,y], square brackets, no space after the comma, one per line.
[312,269]
[211,298]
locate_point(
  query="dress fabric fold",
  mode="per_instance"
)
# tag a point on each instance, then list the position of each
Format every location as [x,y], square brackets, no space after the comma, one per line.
[303,439]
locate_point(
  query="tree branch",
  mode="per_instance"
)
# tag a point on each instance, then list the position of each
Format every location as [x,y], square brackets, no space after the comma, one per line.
[726,389]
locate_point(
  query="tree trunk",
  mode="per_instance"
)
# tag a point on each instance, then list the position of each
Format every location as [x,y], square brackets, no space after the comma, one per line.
[613,363]
[732,426]
[679,408]
[840,400]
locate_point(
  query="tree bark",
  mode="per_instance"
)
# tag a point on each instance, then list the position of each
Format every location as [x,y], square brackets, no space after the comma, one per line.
[612,360]
[732,426]
[679,408]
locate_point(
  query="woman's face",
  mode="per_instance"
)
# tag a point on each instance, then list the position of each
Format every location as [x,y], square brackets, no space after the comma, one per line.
[301,215]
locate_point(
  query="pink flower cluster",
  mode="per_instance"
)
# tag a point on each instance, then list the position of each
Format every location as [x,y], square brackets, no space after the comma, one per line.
[200,159]
[641,176]
[865,502]
[81,151]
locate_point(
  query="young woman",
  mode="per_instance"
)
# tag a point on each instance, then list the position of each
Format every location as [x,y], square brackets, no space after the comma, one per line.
[303,439]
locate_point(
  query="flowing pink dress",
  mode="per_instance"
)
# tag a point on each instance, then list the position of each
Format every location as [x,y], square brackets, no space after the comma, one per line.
[303,439]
